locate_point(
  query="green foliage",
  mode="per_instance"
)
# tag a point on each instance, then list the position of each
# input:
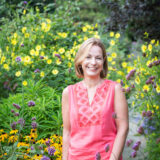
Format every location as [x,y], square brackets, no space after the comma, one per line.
[47,109]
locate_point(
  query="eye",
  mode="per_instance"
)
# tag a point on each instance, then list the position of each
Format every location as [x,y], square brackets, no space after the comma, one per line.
[99,58]
[88,57]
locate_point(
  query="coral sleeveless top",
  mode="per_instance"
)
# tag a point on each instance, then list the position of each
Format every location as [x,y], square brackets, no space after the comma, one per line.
[92,125]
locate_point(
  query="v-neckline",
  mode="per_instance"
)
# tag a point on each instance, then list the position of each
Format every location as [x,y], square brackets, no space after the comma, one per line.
[92,101]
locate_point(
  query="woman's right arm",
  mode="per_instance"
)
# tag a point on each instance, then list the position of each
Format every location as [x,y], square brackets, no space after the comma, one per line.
[66,123]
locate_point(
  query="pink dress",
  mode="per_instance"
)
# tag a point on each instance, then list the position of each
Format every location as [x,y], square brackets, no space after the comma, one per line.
[92,126]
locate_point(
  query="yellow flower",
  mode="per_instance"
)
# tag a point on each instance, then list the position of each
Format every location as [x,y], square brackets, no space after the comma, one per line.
[61,50]
[158,89]
[145,88]
[15,35]
[27,59]
[42,53]
[157,107]
[137,80]
[6,67]
[120,73]
[113,62]
[3,59]
[111,34]
[3,137]
[26,35]
[109,59]
[124,64]
[42,74]
[55,71]
[153,41]
[38,47]
[69,64]
[58,62]
[150,47]
[32,52]
[14,42]
[64,35]
[114,55]
[24,11]
[12,139]
[84,29]
[49,61]
[13,131]
[24,29]
[74,33]
[143,48]
[18,73]
[112,42]
[36,53]
[24,83]
[48,20]
[117,35]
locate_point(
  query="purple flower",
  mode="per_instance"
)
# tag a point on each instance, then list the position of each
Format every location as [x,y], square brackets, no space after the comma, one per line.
[57,55]
[144,113]
[25,2]
[149,114]
[31,103]
[136,145]
[45,158]
[140,130]
[98,156]
[128,143]
[16,105]
[152,128]
[16,114]
[22,45]
[48,143]
[41,57]
[37,70]
[13,125]
[34,125]
[32,148]
[130,74]
[18,59]
[133,154]
[21,121]
[33,118]
[51,151]
[107,147]
[128,90]
[122,82]
[12,110]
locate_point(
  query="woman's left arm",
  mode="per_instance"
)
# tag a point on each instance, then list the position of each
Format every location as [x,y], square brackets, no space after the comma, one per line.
[122,122]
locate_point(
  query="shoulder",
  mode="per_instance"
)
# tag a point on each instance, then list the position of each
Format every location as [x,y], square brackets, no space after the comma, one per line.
[111,82]
[65,92]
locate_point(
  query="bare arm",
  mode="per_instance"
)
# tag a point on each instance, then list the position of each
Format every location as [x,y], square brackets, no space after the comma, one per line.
[121,110]
[66,123]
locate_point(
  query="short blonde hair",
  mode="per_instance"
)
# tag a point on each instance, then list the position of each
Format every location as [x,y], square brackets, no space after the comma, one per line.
[83,51]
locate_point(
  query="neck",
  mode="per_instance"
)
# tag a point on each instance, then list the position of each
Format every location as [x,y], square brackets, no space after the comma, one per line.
[92,82]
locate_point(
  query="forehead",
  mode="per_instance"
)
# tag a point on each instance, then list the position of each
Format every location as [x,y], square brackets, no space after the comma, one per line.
[95,50]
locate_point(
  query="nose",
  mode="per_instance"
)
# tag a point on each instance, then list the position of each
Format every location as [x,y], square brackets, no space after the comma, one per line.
[93,61]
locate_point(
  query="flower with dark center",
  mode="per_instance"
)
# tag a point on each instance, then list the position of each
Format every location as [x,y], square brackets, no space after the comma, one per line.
[17,106]
[18,59]
[107,147]
[31,103]
[98,156]
[34,125]
[13,125]
[51,151]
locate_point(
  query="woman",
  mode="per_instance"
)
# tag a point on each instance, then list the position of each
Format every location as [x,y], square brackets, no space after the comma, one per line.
[95,112]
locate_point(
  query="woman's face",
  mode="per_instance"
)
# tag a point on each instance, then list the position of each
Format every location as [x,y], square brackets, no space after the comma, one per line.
[92,64]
